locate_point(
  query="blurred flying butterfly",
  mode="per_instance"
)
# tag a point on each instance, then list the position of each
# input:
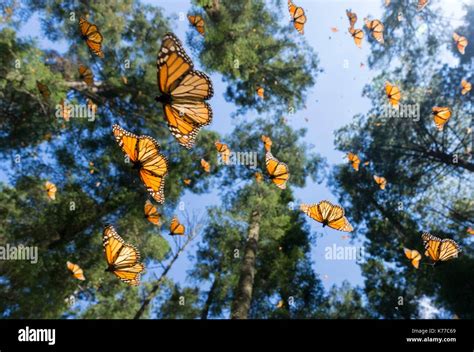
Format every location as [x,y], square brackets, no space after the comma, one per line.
[86,75]
[144,153]
[414,256]
[198,23]
[176,228]
[260,92]
[354,160]
[205,166]
[123,259]
[44,90]
[328,214]
[51,190]
[298,16]
[334,29]
[357,35]
[470,231]
[187,181]
[90,33]
[258,176]
[381,181]
[151,213]
[352,18]
[440,249]
[441,115]
[466,87]
[183,92]
[76,271]
[224,151]
[393,94]
[278,171]
[267,142]
[461,42]
[376,28]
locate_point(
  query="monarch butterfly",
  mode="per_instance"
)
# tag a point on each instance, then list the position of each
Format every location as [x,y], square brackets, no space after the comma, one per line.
[438,249]
[183,92]
[366,163]
[422,4]
[86,75]
[298,16]
[376,27]
[151,213]
[51,190]
[76,270]
[470,230]
[441,115]
[187,181]
[461,42]
[224,151]
[65,110]
[358,35]
[278,171]
[352,18]
[176,228]
[267,142]
[44,90]
[354,160]
[393,94]
[205,166]
[198,23]
[328,214]
[381,181]
[414,256]
[260,91]
[466,87]
[258,176]
[144,153]
[90,33]
[123,259]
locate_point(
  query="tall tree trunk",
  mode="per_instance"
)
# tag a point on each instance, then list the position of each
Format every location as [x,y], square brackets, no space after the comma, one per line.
[243,294]
[210,296]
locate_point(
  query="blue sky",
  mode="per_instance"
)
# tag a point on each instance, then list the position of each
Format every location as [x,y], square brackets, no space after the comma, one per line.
[331,104]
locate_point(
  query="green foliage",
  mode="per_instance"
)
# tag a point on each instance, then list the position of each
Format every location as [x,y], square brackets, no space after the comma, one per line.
[246,44]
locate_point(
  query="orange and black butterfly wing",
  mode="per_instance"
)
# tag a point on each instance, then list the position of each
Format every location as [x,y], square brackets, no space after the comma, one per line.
[154,167]
[278,171]
[122,259]
[183,92]
[86,75]
[298,16]
[90,33]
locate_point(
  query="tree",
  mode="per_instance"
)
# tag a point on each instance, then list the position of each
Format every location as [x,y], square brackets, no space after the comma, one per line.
[428,175]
